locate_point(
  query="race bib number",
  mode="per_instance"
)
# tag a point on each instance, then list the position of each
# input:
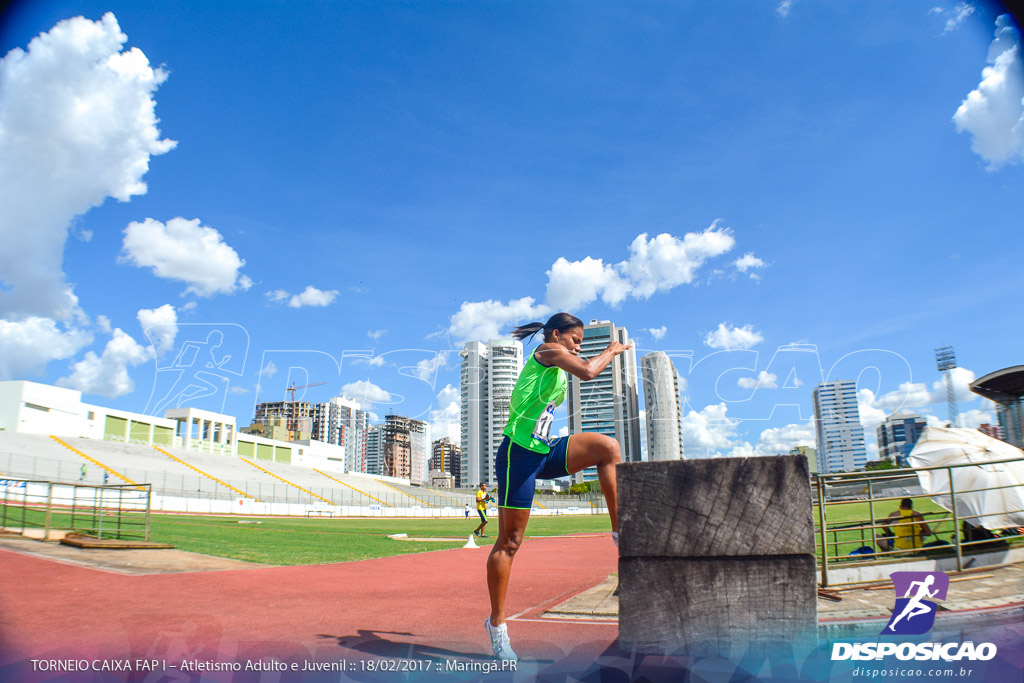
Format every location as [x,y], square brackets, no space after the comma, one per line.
[542,430]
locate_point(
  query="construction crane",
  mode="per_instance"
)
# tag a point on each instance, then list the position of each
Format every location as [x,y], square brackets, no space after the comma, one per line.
[293,416]
[294,388]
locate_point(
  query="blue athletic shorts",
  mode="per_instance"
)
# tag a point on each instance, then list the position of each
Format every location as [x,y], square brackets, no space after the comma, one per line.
[518,470]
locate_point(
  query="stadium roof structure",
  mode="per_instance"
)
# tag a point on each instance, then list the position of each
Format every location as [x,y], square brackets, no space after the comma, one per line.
[1001,386]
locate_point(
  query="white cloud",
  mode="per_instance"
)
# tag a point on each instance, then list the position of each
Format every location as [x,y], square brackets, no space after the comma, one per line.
[784,7]
[960,14]
[77,125]
[426,369]
[764,380]
[376,334]
[708,430]
[993,113]
[27,346]
[365,393]
[446,417]
[973,418]
[571,285]
[962,378]
[185,250]
[268,370]
[725,337]
[486,320]
[160,325]
[654,265]
[107,375]
[781,440]
[916,397]
[311,296]
[658,332]
[870,414]
[749,262]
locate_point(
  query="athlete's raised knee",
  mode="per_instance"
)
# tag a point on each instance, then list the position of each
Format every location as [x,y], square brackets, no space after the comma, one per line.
[612,453]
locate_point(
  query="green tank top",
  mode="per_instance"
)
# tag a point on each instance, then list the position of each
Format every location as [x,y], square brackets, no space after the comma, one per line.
[531,409]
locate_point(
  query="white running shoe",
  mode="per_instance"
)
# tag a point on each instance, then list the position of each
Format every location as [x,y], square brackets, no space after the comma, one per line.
[500,642]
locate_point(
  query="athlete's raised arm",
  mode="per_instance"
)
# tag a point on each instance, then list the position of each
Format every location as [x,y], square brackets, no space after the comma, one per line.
[563,352]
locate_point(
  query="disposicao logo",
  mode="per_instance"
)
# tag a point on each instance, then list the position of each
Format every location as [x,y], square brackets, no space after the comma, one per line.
[913,613]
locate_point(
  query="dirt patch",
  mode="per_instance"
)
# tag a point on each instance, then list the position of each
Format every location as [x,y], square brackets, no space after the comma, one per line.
[124,561]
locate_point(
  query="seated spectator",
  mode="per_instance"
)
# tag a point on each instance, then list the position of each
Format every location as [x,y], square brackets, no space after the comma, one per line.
[909,530]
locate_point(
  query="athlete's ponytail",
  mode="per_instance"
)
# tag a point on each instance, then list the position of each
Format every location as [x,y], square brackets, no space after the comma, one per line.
[527,331]
[559,321]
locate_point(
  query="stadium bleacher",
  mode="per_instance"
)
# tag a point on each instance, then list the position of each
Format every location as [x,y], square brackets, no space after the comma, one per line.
[177,472]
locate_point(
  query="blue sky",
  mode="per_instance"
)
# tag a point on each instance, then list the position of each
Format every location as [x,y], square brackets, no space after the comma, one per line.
[369,185]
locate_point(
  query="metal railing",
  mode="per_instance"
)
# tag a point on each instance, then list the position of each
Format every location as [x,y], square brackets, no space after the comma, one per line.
[864,532]
[38,508]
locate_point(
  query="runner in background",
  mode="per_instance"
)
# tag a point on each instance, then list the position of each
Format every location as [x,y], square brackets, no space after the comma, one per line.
[481,509]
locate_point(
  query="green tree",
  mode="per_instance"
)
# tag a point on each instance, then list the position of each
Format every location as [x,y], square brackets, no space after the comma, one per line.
[880,465]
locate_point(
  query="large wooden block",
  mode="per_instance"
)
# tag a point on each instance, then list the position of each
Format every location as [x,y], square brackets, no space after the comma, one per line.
[715,607]
[715,507]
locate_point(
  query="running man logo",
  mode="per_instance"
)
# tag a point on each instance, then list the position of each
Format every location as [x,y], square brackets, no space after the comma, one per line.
[913,613]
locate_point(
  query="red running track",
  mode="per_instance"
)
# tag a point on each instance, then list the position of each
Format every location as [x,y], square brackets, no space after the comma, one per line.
[429,605]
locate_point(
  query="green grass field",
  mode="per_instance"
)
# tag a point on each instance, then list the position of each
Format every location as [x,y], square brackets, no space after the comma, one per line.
[291,541]
[297,541]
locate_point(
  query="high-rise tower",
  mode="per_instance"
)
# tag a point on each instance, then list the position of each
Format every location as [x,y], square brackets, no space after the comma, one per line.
[608,404]
[839,435]
[662,407]
[489,373]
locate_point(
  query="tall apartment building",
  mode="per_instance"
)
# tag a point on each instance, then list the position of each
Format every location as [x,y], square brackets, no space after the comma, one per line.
[897,436]
[374,451]
[341,422]
[662,406]
[447,457]
[297,418]
[839,435]
[608,404]
[404,447]
[488,375]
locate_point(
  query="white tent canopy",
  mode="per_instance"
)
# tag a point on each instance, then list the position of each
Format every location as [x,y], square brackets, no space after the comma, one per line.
[948,447]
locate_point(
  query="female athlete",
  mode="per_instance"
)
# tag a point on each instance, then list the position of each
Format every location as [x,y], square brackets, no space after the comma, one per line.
[528,451]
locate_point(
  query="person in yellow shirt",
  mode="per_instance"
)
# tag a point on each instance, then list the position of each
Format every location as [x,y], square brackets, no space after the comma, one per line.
[482,498]
[908,530]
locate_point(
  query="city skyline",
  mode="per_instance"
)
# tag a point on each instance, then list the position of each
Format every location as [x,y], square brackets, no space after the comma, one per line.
[747,189]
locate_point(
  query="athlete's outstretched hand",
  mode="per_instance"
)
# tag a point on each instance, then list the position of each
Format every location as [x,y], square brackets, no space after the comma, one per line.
[618,347]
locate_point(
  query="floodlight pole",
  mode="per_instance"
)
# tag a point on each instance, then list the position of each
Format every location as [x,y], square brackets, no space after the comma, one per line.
[945,360]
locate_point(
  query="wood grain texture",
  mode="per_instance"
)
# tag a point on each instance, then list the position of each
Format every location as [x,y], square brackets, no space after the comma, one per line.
[714,606]
[716,507]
